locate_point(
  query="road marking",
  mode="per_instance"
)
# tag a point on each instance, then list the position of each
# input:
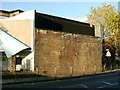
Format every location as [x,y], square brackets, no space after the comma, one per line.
[84,86]
[107,85]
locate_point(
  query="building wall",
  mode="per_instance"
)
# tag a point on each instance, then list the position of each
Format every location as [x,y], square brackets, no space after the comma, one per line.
[4,14]
[10,13]
[20,29]
[43,21]
[60,54]
[97,31]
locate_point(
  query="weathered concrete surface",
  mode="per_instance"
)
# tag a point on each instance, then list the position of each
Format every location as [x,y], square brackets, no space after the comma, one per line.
[60,54]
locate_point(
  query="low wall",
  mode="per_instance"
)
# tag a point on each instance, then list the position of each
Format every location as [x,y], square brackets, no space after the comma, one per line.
[59,54]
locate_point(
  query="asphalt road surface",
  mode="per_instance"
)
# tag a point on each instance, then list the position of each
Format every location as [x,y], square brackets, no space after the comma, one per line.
[96,82]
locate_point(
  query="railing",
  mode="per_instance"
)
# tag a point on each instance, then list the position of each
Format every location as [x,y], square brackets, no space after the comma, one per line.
[111,67]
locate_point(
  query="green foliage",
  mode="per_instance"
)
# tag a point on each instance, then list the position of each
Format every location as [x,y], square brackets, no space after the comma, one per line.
[107,18]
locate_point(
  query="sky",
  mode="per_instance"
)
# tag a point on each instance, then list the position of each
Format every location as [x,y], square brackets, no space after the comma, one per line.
[71,10]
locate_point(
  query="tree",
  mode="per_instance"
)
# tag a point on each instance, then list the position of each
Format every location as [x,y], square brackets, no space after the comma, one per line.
[108,19]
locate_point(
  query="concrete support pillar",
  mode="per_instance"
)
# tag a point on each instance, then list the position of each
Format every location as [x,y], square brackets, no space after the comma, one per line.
[12,64]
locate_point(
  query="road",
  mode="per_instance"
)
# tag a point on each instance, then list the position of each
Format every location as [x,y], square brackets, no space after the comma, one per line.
[95,82]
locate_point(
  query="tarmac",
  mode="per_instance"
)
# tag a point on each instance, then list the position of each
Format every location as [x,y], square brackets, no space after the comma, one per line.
[26,80]
[43,78]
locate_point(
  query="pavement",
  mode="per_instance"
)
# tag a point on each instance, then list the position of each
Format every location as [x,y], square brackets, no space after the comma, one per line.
[42,78]
[26,80]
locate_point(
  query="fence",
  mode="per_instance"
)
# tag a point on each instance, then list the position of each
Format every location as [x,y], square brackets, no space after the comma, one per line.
[112,66]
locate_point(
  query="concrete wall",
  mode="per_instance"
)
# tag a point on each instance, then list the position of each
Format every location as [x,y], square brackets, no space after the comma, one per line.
[97,31]
[60,54]
[20,29]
